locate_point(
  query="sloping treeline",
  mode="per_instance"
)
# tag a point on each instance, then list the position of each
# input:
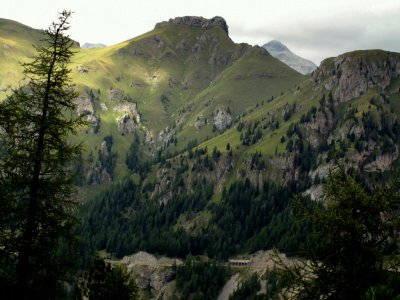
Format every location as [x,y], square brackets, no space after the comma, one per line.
[123,221]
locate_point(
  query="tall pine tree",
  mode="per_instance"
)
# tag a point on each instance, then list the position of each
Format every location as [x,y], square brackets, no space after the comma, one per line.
[35,180]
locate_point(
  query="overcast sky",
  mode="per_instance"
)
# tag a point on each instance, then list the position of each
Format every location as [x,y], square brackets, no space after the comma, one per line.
[314,29]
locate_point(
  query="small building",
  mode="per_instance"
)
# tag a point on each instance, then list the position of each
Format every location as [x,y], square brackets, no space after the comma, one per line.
[239,262]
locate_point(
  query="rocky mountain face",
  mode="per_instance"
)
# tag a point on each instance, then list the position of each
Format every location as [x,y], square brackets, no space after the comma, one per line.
[281,52]
[347,109]
[199,22]
[155,274]
[351,75]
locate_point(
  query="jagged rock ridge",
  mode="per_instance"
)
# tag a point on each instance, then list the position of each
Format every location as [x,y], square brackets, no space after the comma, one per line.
[281,52]
[200,22]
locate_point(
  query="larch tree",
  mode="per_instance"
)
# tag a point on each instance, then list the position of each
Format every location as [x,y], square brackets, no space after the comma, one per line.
[36,191]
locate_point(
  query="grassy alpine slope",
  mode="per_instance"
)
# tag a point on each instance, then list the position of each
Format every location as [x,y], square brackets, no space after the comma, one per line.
[16,42]
[175,73]
[192,86]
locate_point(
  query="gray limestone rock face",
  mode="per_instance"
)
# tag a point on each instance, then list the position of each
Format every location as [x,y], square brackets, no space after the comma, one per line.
[166,136]
[199,22]
[382,163]
[149,138]
[130,109]
[83,106]
[151,272]
[222,120]
[352,74]
[126,124]
[92,120]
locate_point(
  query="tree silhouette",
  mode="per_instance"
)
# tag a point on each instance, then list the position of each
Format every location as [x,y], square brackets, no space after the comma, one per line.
[35,179]
[106,282]
[355,235]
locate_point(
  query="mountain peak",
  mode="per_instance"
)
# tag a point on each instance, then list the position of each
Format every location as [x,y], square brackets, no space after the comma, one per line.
[275,45]
[281,52]
[198,22]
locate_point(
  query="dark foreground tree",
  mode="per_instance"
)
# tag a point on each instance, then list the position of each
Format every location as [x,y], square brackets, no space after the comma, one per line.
[35,180]
[106,282]
[352,255]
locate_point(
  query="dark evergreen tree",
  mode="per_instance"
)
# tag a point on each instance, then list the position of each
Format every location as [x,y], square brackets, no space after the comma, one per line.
[353,234]
[247,289]
[106,282]
[200,280]
[35,178]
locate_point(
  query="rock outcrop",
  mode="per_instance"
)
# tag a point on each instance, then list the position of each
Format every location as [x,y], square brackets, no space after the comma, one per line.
[166,136]
[127,123]
[382,162]
[83,106]
[222,120]
[103,106]
[199,22]
[82,69]
[93,121]
[128,108]
[149,138]
[117,95]
[201,121]
[100,171]
[350,75]
[97,175]
[151,272]
[162,190]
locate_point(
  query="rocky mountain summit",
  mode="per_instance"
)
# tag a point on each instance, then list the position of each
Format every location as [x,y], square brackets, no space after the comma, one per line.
[352,74]
[281,52]
[199,22]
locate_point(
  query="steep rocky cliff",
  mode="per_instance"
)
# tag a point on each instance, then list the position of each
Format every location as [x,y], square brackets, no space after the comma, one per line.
[350,75]
[152,273]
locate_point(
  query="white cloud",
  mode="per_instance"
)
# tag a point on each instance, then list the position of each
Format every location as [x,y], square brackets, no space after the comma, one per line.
[318,36]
